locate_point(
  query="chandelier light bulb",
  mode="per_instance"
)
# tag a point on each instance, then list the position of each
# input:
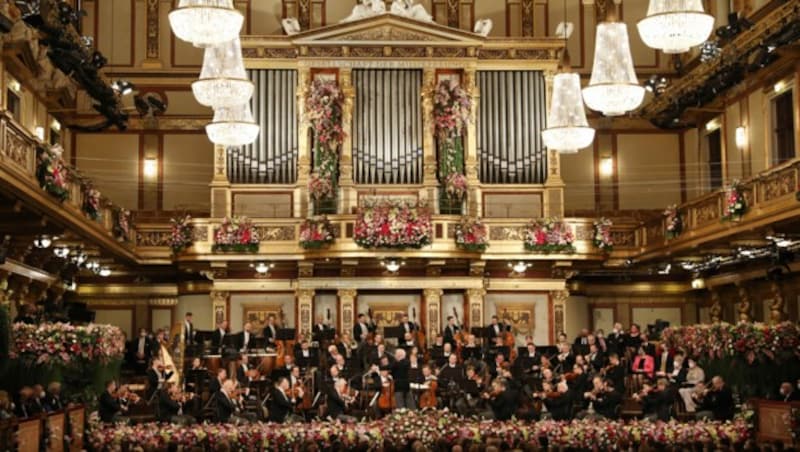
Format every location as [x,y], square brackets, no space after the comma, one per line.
[105,272]
[613,88]
[206,23]
[43,241]
[233,126]
[567,128]
[675,26]
[223,80]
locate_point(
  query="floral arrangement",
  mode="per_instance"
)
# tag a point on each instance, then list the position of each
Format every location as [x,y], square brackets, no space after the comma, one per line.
[122,224]
[792,421]
[549,236]
[62,344]
[601,235]
[674,222]
[91,203]
[471,235]
[316,232]
[735,204]
[722,339]
[324,106]
[182,233]
[52,173]
[452,107]
[430,429]
[236,234]
[392,224]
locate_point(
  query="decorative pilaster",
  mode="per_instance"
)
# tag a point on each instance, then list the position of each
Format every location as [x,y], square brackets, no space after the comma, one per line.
[303,144]
[433,310]
[554,186]
[220,185]
[152,37]
[471,145]
[744,303]
[475,301]
[305,311]
[5,293]
[219,306]
[559,298]
[777,306]
[715,311]
[429,179]
[347,306]
[527,17]
[347,194]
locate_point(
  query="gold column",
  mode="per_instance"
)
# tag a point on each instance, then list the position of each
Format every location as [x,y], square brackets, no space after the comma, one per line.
[433,309]
[474,207]
[475,301]
[305,310]
[347,192]
[554,185]
[559,298]
[347,307]
[429,180]
[220,185]
[219,307]
[303,145]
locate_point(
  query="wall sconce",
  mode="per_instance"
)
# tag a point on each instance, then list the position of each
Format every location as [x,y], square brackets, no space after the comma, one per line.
[150,168]
[712,125]
[14,85]
[55,126]
[698,283]
[741,137]
[606,166]
[39,132]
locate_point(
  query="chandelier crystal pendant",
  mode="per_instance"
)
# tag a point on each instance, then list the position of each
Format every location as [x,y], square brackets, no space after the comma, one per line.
[567,129]
[233,126]
[206,23]
[675,26]
[223,80]
[613,88]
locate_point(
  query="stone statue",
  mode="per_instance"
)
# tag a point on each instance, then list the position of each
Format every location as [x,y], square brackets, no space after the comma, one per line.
[407,8]
[483,27]
[403,8]
[363,9]
[291,26]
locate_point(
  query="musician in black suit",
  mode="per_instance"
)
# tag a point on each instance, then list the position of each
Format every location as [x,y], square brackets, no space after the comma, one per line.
[336,402]
[320,326]
[157,374]
[495,329]
[560,407]
[408,326]
[108,404]
[596,358]
[140,351]
[271,331]
[531,361]
[218,338]
[245,341]
[281,404]
[452,371]
[242,368]
[170,406]
[226,407]
[188,329]
[503,402]
[450,331]
[52,399]
[402,386]
[362,328]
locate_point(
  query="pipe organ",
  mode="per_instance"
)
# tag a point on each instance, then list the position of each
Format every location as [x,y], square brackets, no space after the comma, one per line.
[387,126]
[272,158]
[511,115]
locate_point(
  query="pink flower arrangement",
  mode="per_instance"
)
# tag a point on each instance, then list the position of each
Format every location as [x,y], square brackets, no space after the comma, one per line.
[392,224]
[452,106]
[62,344]
[430,428]
[601,235]
[324,102]
[735,203]
[52,173]
[236,234]
[471,235]
[722,339]
[181,235]
[320,187]
[91,203]
[673,221]
[549,236]
[316,232]
[455,186]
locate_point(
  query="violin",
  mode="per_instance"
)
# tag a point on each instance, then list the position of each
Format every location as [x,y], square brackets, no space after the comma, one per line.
[386,400]
[428,398]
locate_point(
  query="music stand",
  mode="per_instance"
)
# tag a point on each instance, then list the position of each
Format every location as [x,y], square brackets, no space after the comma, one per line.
[325,335]
[394,331]
[258,343]
[286,334]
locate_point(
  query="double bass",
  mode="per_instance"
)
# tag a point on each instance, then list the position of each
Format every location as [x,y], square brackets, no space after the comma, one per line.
[386,400]
[428,397]
[508,338]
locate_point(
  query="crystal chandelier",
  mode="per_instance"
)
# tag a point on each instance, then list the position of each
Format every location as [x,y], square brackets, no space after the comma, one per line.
[613,88]
[206,22]
[233,126]
[223,81]
[567,129]
[674,26]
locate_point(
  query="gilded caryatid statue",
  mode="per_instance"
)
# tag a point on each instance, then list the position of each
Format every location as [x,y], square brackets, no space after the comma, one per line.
[715,312]
[777,305]
[744,304]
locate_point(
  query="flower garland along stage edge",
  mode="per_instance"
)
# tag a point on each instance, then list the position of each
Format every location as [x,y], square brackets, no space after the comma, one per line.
[52,173]
[472,235]
[673,222]
[393,224]
[735,203]
[452,107]
[324,109]
[721,340]
[601,235]
[181,233]
[236,234]
[316,233]
[432,429]
[63,344]
[549,236]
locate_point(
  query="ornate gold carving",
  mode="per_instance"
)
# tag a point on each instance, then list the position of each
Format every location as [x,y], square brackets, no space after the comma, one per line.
[776,308]
[559,296]
[325,52]
[508,233]
[219,303]
[347,305]
[527,17]
[492,54]
[250,52]
[744,304]
[778,185]
[281,52]
[449,52]
[409,52]
[715,311]
[386,33]
[305,269]
[153,238]
[623,239]
[707,212]
[534,54]
[366,52]
[655,232]
[275,233]
[152,29]
[17,148]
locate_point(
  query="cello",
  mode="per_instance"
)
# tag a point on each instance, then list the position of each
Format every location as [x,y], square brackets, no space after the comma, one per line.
[508,338]
[428,397]
[386,400]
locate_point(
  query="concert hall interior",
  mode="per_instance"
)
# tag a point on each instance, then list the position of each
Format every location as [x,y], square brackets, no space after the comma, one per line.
[399,225]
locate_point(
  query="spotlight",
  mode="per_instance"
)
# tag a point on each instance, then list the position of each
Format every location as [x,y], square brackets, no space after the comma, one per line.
[665,270]
[98,60]
[262,268]
[656,84]
[104,272]
[519,267]
[43,241]
[698,283]
[392,265]
[709,50]
[122,87]
[61,251]
[70,284]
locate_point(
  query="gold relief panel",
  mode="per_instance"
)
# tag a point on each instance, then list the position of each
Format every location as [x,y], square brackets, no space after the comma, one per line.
[388,315]
[476,313]
[748,194]
[433,320]
[507,233]
[778,185]
[583,232]
[386,33]
[521,317]
[492,54]
[281,52]
[533,54]
[250,52]
[707,212]
[153,238]
[624,239]
[452,52]
[257,314]
[276,233]
[655,233]
[17,149]
[325,52]
[409,52]
[366,52]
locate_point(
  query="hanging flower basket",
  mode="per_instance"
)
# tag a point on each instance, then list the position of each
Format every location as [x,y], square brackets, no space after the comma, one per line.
[236,235]
[735,203]
[52,173]
[673,222]
[549,236]
[472,235]
[601,235]
[316,233]
[324,111]
[393,224]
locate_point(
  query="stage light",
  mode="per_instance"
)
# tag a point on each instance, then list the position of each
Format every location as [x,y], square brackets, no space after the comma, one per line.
[61,251]
[122,87]
[262,268]
[14,85]
[105,272]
